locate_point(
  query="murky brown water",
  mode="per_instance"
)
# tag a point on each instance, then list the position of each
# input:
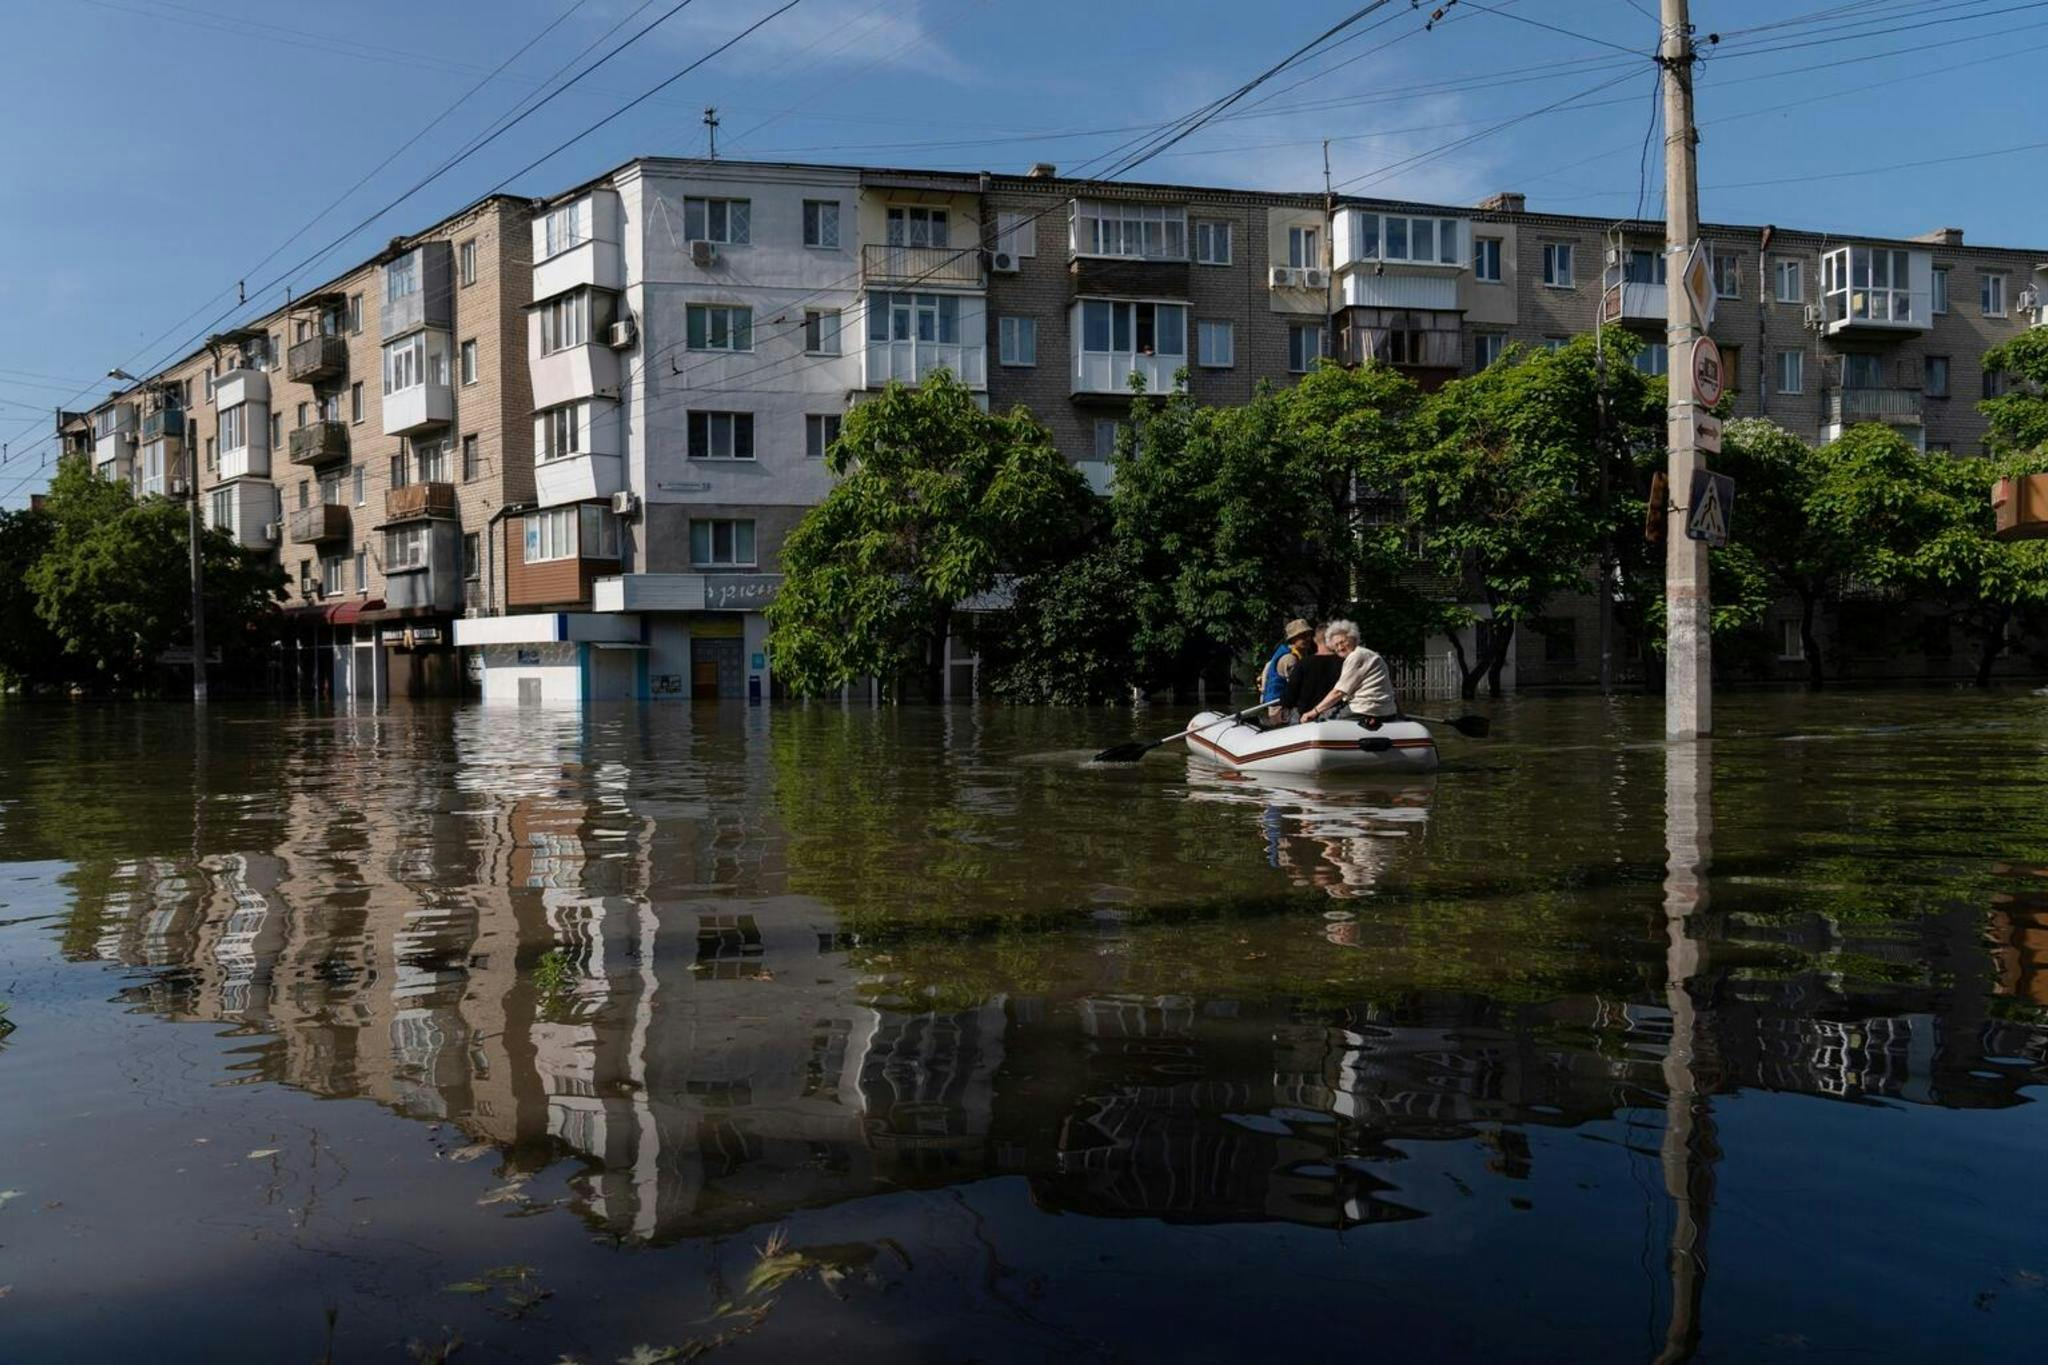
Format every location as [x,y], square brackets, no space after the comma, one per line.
[902,1035]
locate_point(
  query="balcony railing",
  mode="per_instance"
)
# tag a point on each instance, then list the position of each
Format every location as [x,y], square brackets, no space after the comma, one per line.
[416,500]
[321,522]
[317,359]
[319,442]
[919,266]
[164,424]
[912,362]
[1897,407]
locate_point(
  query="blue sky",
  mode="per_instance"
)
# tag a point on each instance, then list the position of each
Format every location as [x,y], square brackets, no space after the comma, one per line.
[153,152]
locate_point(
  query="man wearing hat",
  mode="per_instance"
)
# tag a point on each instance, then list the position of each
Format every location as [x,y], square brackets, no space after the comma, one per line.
[1300,639]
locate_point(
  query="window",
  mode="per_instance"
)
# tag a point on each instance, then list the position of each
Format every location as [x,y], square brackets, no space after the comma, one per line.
[1791,372]
[1727,268]
[360,475]
[1991,295]
[362,570]
[1653,359]
[465,256]
[220,510]
[1862,371]
[1017,341]
[821,222]
[719,327]
[565,227]
[1487,347]
[1941,289]
[1304,344]
[1994,384]
[330,490]
[355,401]
[305,494]
[472,556]
[398,470]
[1486,260]
[1215,345]
[1212,242]
[402,278]
[717,220]
[1017,233]
[1134,328]
[565,322]
[355,314]
[1867,284]
[472,463]
[277,431]
[301,414]
[469,361]
[1555,344]
[1791,280]
[917,227]
[405,363]
[430,461]
[234,427]
[914,317]
[1557,265]
[821,331]
[209,378]
[1644,266]
[1304,247]
[1145,231]
[821,429]
[1936,373]
[721,435]
[551,534]
[561,432]
[334,575]
[405,547]
[1108,431]
[1399,237]
[718,543]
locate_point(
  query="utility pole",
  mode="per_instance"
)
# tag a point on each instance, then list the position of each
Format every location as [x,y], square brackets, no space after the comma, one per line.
[1688,656]
[194,536]
[711,127]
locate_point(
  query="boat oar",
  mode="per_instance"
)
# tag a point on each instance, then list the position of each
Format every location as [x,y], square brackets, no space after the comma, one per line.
[1472,727]
[1133,751]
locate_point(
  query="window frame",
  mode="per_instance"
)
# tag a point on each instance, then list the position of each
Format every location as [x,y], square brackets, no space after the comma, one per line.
[700,211]
[1016,341]
[467,367]
[709,558]
[818,322]
[561,434]
[1297,349]
[1088,234]
[565,321]
[465,262]
[703,427]
[1732,261]
[472,458]
[1990,283]
[814,224]
[737,320]
[1556,254]
[1203,236]
[1208,327]
[1480,343]
[1927,369]
[1122,316]
[1938,288]
[821,431]
[1479,250]
[1797,359]
[1793,266]
[1373,233]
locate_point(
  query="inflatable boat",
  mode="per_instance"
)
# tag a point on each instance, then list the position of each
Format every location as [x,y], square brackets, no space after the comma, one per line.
[1323,746]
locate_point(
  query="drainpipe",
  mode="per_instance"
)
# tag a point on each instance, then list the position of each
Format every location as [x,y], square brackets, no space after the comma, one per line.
[1763,359]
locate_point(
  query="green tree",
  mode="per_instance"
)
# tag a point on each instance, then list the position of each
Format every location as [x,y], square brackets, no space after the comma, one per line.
[937,502]
[113,585]
[29,652]
[1985,582]
[2019,418]
[1505,478]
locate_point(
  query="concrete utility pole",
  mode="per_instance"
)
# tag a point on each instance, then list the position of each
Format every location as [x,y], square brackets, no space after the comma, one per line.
[1688,656]
[195,536]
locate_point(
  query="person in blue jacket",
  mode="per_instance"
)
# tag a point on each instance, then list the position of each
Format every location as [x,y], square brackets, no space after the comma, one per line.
[1300,641]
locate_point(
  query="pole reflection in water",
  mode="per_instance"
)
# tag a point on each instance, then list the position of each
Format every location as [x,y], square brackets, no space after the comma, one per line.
[1688,1116]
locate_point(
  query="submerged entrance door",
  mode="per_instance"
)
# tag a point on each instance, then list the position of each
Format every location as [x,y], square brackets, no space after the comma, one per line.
[715,669]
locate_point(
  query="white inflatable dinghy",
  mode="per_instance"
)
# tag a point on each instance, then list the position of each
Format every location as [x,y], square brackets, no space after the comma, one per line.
[1323,746]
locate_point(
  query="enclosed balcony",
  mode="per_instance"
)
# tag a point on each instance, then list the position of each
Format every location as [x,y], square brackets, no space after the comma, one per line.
[321,523]
[1893,407]
[1115,340]
[241,386]
[318,442]
[318,359]
[1877,292]
[417,393]
[165,424]
[921,267]
[909,336]
[416,501]
[1634,287]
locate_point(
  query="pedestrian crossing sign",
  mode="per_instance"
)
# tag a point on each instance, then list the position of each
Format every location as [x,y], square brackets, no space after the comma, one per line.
[1713,498]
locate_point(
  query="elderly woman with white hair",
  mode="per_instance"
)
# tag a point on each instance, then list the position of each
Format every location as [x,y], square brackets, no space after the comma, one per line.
[1364,690]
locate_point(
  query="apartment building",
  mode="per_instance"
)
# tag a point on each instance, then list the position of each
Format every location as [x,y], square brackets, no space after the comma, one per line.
[366,438]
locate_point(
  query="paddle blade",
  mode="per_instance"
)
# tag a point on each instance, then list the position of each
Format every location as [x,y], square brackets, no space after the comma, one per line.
[1475,727]
[1123,753]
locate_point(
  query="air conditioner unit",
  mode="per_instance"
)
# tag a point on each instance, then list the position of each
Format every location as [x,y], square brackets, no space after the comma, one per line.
[1816,315]
[1283,276]
[1314,277]
[1003,262]
[315,591]
[177,488]
[273,531]
[625,503]
[624,334]
[703,253]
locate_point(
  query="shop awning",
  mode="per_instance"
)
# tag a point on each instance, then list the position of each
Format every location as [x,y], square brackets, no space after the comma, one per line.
[348,613]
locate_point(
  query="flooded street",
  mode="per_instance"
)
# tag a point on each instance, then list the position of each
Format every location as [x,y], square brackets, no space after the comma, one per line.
[907,1035]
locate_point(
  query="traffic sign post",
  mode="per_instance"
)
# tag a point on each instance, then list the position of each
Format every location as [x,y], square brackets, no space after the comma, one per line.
[1706,513]
[1698,280]
[1707,383]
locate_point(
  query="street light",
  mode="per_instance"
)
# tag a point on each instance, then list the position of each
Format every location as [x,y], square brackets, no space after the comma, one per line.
[192,541]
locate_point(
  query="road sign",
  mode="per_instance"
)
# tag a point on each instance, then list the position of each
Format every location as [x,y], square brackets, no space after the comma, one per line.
[1713,498]
[1699,285]
[1706,372]
[1705,433]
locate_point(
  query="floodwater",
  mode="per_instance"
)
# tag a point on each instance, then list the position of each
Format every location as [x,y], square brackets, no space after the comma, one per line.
[904,1035]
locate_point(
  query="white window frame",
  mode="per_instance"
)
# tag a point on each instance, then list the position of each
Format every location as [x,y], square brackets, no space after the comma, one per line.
[1375,233]
[1305,246]
[821,224]
[550,535]
[709,557]
[565,322]
[719,435]
[1016,341]
[1122,314]
[566,227]
[333,575]
[1302,357]
[406,547]
[917,225]
[1483,249]
[469,362]
[405,363]
[1017,232]
[735,321]
[1852,299]
[465,257]
[472,458]
[1210,356]
[561,432]
[1559,266]
[1482,342]
[1787,270]
[1940,289]
[725,221]
[1212,242]
[1726,268]
[234,428]
[356,406]
[402,278]
[822,331]
[821,429]
[1129,231]
[1108,431]
[1991,293]
[1653,360]
[430,461]
[1791,372]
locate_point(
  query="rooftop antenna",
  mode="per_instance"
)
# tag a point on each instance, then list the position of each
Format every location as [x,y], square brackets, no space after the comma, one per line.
[711,123]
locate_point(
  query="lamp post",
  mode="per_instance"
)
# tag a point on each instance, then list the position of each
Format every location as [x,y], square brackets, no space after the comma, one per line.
[193,539]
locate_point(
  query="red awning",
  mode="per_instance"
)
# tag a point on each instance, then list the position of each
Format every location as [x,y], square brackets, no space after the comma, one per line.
[345,613]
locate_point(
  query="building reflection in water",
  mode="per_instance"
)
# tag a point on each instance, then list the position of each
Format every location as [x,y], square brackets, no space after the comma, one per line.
[568,959]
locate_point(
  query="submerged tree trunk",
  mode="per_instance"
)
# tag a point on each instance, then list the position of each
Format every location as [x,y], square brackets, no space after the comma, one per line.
[1994,645]
[1816,676]
[1500,639]
[1468,674]
[935,656]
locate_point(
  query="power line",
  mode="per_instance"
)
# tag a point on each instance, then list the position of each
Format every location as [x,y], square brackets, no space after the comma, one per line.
[1538,23]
